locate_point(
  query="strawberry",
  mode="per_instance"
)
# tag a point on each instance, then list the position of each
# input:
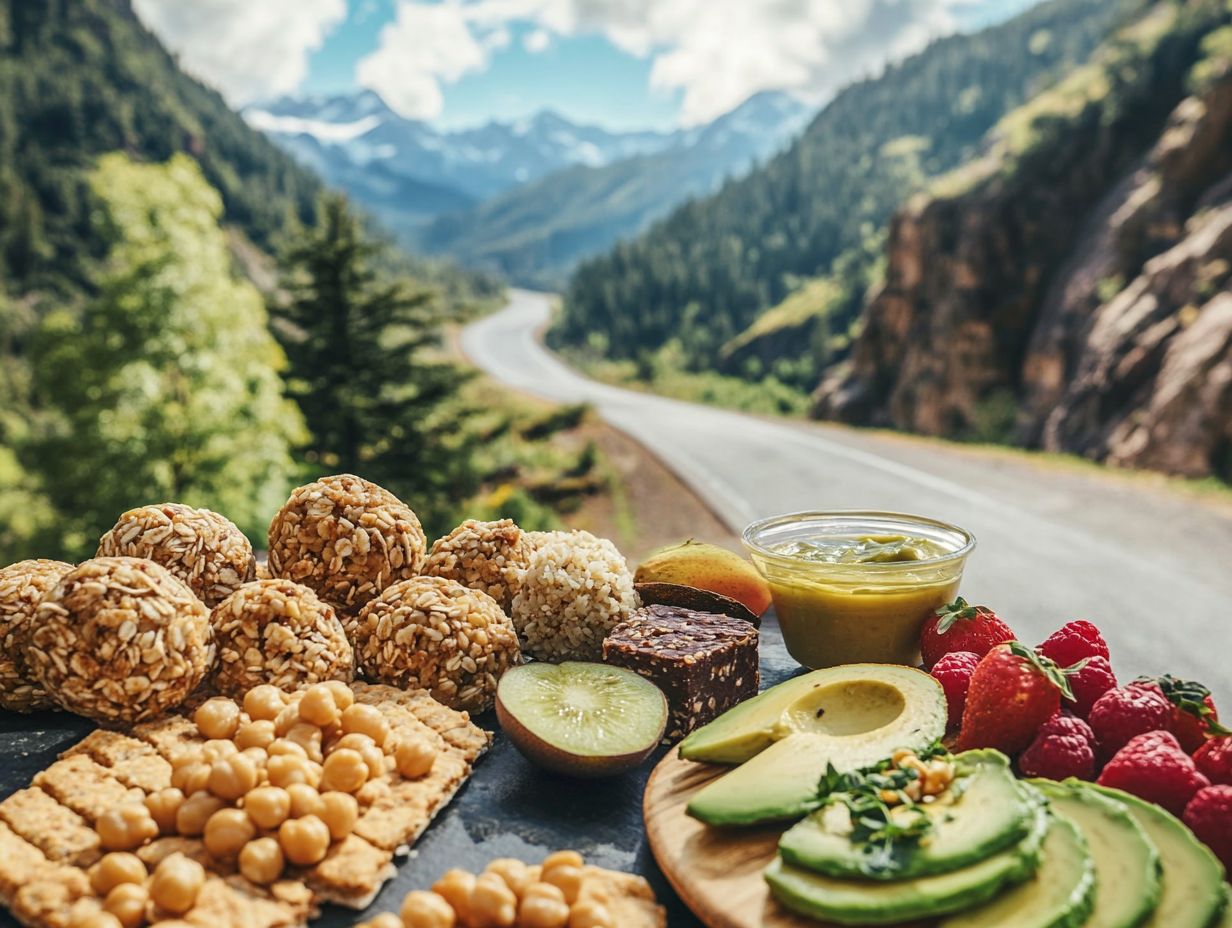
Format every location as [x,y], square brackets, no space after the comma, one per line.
[1153,767]
[1214,759]
[1120,714]
[960,627]
[953,671]
[1064,747]
[1090,679]
[1193,711]
[1073,642]
[1013,692]
[1209,816]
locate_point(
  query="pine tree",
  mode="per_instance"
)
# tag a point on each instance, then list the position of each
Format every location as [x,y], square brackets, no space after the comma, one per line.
[166,386]
[378,399]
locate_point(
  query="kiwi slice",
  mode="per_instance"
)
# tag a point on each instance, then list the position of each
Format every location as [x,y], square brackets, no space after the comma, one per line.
[581,719]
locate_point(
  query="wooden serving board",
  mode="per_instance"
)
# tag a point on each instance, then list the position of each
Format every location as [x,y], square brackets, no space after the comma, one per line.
[716,871]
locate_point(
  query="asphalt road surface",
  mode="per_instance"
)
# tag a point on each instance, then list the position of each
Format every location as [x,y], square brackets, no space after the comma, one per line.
[1150,565]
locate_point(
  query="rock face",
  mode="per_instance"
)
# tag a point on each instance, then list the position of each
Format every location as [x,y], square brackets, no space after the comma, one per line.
[1071,292]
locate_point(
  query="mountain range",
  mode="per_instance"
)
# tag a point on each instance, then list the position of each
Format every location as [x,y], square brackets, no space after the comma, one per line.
[526,197]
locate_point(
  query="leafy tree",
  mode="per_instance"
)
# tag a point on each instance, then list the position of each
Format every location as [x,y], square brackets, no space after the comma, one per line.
[166,385]
[361,347]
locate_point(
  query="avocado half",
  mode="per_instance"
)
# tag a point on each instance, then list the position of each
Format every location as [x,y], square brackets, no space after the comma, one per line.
[850,717]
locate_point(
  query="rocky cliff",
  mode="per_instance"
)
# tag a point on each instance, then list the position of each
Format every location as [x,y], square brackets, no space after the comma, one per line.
[1070,289]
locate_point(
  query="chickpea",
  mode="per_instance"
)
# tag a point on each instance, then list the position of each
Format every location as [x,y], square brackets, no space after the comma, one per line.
[304,841]
[126,827]
[287,719]
[307,736]
[218,717]
[163,806]
[100,919]
[227,831]
[382,920]
[285,769]
[217,749]
[258,734]
[426,910]
[517,875]
[175,883]
[414,757]
[115,869]
[318,706]
[283,746]
[493,904]
[545,891]
[127,903]
[344,770]
[194,812]
[344,696]
[232,777]
[373,756]
[305,800]
[590,914]
[268,806]
[190,755]
[367,720]
[191,778]
[264,702]
[339,811]
[563,858]
[262,861]
[543,912]
[258,756]
[567,878]
[456,887]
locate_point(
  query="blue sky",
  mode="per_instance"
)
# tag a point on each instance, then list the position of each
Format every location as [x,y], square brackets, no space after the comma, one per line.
[618,63]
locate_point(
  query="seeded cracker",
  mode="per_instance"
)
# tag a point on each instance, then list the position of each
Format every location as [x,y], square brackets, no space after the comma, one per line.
[205,550]
[22,587]
[120,640]
[347,539]
[435,634]
[276,631]
[485,556]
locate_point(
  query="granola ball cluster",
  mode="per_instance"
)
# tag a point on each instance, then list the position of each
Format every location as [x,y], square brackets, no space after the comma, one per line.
[575,589]
[120,639]
[202,548]
[22,587]
[486,556]
[347,539]
[279,632]
[437,635]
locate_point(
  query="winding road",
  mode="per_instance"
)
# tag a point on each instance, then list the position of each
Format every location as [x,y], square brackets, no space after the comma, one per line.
[1151,565]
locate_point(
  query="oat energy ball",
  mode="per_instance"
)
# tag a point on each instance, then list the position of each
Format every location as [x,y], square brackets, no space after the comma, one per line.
[276,631]
[205,550]
[22,587]
[574,590]
[120,639]
[487,556]
[347,539]
[435,634]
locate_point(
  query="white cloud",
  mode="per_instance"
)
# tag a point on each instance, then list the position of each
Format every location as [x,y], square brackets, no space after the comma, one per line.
[537,41]
[247,49]
[423,46]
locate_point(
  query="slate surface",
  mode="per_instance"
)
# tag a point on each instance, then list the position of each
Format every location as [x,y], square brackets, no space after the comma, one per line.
[508,809]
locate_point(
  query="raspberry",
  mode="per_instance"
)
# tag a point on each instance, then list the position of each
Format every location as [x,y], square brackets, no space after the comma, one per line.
[1153,767]
[1064,747]
[1090,682]
[953,672]
[1209,816]
[1120,714]
[1214,759]
[1074,641]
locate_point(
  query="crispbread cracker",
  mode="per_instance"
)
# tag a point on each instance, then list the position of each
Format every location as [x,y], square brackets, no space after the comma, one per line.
[84,786]
[627,896]
[132,762]
[57,831]
[351,873]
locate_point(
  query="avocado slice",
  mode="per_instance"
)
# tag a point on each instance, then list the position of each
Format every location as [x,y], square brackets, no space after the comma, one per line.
[755,724]
[1192,888]
[868,902]
[1127,865]
[1061,894]
[858,715]
[987,813]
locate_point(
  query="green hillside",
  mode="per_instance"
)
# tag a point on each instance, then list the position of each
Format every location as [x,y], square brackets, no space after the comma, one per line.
[700,277]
